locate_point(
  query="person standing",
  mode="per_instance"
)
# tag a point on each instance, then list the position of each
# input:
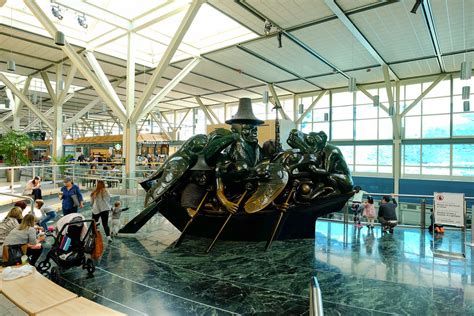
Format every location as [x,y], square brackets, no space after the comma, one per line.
[357,204]
[33,188]
[71,197]
[100,200]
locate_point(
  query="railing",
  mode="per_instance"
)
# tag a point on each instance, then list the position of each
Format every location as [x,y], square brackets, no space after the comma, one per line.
[315,298]
[408,213]
[23,197]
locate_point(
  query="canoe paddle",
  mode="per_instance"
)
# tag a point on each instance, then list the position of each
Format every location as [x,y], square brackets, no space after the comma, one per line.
[277,224]
[180,239]
[225,223]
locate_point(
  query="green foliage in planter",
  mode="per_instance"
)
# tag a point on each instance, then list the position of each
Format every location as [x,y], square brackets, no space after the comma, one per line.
[14,146]
[62,161]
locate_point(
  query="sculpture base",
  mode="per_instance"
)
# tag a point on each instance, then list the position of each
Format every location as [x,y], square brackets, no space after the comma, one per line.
[296,222]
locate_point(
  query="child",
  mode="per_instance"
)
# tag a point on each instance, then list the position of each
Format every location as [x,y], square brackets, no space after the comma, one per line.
[369,212]
[356,204]
[48,213]
[115,226]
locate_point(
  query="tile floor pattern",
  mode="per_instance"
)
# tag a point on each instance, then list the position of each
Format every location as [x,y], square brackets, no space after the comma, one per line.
[7,308]
[359,274]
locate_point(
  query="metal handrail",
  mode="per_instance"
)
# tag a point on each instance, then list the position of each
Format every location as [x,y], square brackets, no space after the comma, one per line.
[32,202]
[315,298]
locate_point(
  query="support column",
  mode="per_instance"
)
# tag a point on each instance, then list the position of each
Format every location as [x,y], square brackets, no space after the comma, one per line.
[129,149]
[129,140]
[58,116]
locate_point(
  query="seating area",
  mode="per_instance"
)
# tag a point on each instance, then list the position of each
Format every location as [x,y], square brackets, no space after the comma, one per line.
[37,295]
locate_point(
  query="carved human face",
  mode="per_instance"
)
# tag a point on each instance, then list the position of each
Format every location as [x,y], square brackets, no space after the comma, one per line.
[247,131]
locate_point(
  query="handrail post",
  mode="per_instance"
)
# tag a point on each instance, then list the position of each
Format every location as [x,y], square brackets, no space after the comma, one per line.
[423,214]
[12,179]
[74,172]
[33,172]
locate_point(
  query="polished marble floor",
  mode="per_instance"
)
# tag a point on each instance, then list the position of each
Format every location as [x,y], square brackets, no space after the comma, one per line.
[359,274]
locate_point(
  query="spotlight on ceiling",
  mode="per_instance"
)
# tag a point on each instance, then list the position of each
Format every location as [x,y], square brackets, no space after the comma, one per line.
[466,70]
[59,38]
[267,27]
[56,10]
[466,106]
[11,65]
[81,19]
[415,6]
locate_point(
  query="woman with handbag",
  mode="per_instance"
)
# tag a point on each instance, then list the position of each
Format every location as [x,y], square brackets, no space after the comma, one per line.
[71,197]
[100,200]
[25,234]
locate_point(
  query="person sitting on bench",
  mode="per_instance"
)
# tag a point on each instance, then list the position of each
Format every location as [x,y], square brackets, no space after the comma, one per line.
[387,214]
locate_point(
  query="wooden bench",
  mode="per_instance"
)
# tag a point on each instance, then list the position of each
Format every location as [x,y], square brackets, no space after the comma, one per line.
[80,306]
[35,293]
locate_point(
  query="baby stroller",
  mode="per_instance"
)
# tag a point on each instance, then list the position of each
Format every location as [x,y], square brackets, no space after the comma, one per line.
[71,248]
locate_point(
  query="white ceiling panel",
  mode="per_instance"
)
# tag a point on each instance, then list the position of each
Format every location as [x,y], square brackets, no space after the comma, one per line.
[298,86]
[454,22]
[288,13]
[221,97]
[213,70]
[247,63]
[190,89]
[416,68]
[239,14]
[289,56]
[206,83]
[261,89]
[334,42]
[330,81]
[243,94]
[348,5]
[453,62]
[394,32]
[363,76]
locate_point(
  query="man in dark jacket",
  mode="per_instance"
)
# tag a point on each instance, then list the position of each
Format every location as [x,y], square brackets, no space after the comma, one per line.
[387,214]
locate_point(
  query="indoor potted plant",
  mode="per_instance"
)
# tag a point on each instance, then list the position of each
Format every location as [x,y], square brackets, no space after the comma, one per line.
[13,147]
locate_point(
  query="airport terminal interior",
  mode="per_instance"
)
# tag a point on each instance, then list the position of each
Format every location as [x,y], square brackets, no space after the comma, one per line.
[250,157]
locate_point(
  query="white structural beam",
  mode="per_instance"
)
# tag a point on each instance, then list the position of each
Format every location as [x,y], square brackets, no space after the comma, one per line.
[75,58]
[81,113]
[104,81]
[136,115]
[182,120]
[311,106]
[277,101]
[25,100]
[357,34]
[165,132]
[204,109]
[50,89]
[160,13]
[117,121]
[63,96]
[423,94]
[371,97]
[214,115]
[16,120]
[168,54]
[388,87]
[129,135]
[6,117]
[37,120]
[18,102]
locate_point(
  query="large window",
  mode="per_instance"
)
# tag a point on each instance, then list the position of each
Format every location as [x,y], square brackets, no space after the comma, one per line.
[317,119]
[368,158]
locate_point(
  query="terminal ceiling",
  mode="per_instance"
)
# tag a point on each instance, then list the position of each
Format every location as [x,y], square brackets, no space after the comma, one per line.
[238,59]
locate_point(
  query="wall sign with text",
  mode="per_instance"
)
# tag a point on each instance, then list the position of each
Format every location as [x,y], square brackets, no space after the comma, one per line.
[449,208]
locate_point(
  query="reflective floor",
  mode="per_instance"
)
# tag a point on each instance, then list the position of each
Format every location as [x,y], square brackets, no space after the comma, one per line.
[359,274]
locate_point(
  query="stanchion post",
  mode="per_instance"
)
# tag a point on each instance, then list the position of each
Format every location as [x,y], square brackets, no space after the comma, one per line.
[423,214]
[346,215]
[12,180]
[74,172]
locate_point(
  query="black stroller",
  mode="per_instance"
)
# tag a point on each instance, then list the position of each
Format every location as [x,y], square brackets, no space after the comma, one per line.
[69,249]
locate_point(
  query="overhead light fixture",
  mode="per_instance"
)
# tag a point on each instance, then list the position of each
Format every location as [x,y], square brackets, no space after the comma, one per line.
[59,38]
[6,101]
[326,117]
[376,100]
[81,19]
[466,70]
[352,84]
[11,65]
[415,6]
[466,106]
[300,108]
[466,92]
[56,10]
[267,28]
[265,97]
[279,39]
[391,110]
